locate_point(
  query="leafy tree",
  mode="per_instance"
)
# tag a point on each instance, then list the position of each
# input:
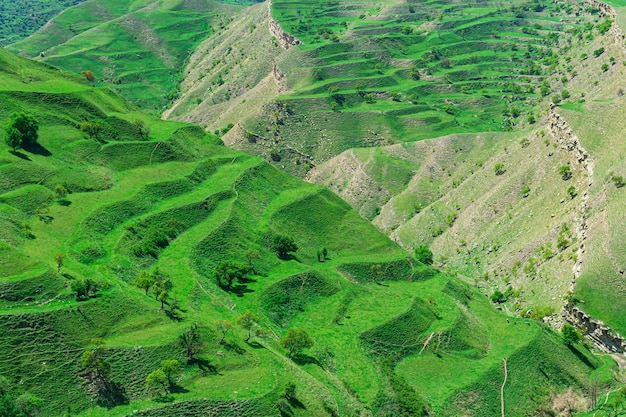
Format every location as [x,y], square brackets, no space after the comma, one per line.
[570,335]
[498,297]
[295,341]
[161,286]
[252,255]
[248,320]
[171,369]
[224,327]
[498,169]
[282,245]
[60,191]
[190,340]
[92,129]
[157,380]
[228,271]
[93,363]
[424,255]
[565,172]
[84,288]
[27,125]
[145,280]
[13,138]
[59,258]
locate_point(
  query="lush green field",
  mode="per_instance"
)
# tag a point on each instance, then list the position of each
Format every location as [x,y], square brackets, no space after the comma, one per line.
[176,203]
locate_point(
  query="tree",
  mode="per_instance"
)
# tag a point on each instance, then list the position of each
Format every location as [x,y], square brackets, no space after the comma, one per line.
[228,271]
[252,255]
[60,191]
[27,125]
[248,320]
[144,281]
[11,405]
[498,169]
[295,341]
[93,363]
[142,128]
[190,340]
[424,255]
[92,129]
[59,258]
[84,288]
[13,138]
[157,380]
[565,172]
[224,327]
[171,369]
[570,335]
[282,245]
[89,76]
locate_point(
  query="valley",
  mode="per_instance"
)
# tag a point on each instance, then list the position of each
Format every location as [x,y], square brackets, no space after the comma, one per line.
[416,213]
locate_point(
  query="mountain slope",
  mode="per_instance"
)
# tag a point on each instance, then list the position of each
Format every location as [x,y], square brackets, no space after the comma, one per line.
[177,204]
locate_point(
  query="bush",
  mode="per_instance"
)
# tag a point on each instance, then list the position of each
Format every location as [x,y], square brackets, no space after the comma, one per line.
[424,255]
[498,169]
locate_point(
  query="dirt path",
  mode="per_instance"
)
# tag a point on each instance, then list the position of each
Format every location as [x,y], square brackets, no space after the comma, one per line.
[502,387]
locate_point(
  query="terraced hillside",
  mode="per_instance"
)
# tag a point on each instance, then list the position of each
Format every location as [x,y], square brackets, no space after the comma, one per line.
[171,205]
[375,73]
[137,47]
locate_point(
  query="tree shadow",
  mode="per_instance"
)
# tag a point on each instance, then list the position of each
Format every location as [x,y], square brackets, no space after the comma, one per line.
[293,401]
[20,155]
[205,366]
[112,394]
[177,389]
[240,290]
[581,356]
[36,148]
[65,203]
[302,359]
[164,399]
[233,347]
[255,345]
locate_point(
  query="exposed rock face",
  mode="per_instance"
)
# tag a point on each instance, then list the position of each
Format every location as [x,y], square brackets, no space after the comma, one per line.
[602,336]
[284,39]
[567,139]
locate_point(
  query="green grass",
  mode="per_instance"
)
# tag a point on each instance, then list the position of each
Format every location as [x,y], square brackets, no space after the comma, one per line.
[179,202]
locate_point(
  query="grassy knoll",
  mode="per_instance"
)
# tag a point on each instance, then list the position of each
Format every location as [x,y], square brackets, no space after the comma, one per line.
[177,204]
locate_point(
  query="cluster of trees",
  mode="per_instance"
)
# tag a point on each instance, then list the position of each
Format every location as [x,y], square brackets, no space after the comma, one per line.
[160,284]
[164,378]
[21,130]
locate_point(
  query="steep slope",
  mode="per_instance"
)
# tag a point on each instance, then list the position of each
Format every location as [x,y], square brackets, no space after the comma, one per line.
[542,227]
[136,46]
[176,204]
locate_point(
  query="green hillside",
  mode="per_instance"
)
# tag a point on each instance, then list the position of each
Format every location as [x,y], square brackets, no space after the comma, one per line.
[166,198]
[138,47]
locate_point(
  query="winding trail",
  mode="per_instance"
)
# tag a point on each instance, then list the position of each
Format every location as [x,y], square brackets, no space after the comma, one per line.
[502,387]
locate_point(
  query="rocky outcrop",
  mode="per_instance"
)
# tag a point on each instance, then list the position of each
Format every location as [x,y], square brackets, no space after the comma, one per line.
[567,139]
[284,39]
[602,336]
[610,13]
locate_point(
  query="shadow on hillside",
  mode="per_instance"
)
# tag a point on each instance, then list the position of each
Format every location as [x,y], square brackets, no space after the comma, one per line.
[580,355]
[240,290]
[20,155]
[303,359]
[177,389]
[205,366]
[111,395]
[233,347]
[37,149]
[294,402]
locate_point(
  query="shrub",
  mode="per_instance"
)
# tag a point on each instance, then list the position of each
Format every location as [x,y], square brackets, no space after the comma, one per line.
[498,169]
